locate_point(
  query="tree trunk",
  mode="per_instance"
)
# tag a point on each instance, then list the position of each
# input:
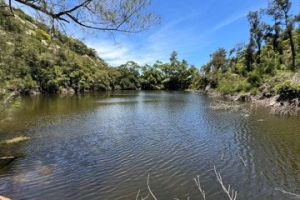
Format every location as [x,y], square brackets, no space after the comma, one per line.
[290,33]
[258,54]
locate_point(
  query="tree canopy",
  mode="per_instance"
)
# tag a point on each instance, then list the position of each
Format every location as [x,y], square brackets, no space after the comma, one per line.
[270,61]
[106,15]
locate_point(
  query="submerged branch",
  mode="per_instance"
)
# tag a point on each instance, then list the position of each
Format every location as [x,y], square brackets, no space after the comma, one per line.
[289,193]
[286,110]
[230,192]
[148,185]
[197,181]
[244,162]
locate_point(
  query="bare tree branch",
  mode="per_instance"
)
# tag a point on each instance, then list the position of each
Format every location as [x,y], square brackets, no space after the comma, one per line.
[128,16]
[289,193]
[10,7]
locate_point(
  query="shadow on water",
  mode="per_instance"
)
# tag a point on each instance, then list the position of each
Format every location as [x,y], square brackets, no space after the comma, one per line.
[103,146]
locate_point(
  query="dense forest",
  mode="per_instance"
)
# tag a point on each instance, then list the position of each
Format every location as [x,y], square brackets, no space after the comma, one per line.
[269,61]
[35,58]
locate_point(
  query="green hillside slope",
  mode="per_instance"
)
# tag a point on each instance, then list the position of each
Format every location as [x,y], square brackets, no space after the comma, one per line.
[33,58]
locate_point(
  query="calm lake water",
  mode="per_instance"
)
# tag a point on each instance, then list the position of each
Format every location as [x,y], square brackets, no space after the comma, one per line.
[103,146]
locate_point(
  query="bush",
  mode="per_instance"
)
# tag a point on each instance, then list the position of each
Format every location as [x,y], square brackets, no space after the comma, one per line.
[288,89]
[254,79]
[29,83]
[233,83]
[11,25]
[42,35]
[199,82]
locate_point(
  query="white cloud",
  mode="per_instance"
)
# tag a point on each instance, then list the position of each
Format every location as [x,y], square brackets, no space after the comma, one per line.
[152,47]
[159,44]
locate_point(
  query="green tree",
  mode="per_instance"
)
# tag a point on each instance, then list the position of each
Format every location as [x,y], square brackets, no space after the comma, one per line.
[129,76]
[218,61]
[152,78]
[282,9]
[249,55]
[256,31]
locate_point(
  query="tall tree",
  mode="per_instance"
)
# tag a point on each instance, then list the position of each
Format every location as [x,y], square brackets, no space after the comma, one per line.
[275,29]
[218,60]
[283,7]
[256,31]
[249,55]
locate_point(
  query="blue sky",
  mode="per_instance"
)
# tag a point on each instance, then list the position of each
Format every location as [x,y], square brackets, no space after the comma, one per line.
[193,28]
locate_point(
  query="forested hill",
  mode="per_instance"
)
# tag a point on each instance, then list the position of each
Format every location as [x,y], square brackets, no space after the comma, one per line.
[34,59]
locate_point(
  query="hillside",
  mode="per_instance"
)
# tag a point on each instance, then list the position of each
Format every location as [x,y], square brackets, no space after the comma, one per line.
[35,59]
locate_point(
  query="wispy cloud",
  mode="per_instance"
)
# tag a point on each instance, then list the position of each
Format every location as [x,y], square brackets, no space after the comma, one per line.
[228,22]
[181,34]
[155,46]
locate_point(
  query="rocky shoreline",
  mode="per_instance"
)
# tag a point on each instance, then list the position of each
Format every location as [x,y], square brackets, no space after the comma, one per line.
[279,104]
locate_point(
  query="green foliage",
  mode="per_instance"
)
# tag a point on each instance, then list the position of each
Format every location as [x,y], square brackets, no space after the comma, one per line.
[288,88]
[9,24]
[254,79]
[178,75]
[80,48]
[230,83]
[23,15]
[152,78]
[29,83]
[26,63]
[218,61]
[129,76]
[272,49]
[175,75]
[199,82]
[42,35]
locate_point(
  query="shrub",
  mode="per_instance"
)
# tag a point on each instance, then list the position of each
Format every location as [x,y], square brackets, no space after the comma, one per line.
[254,79]
[29,83]
[42,35]
[288,88]
[233,83]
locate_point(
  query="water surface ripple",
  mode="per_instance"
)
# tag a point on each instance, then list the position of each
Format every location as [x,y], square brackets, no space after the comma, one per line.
[103,146]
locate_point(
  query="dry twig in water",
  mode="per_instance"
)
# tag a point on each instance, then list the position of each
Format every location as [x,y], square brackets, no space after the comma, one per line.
[197,181]
[142,198]
[223,155]
[244,162]
[227,106]
[148,185]
[286,110]
[285,192]
[150,192]
[230,192]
